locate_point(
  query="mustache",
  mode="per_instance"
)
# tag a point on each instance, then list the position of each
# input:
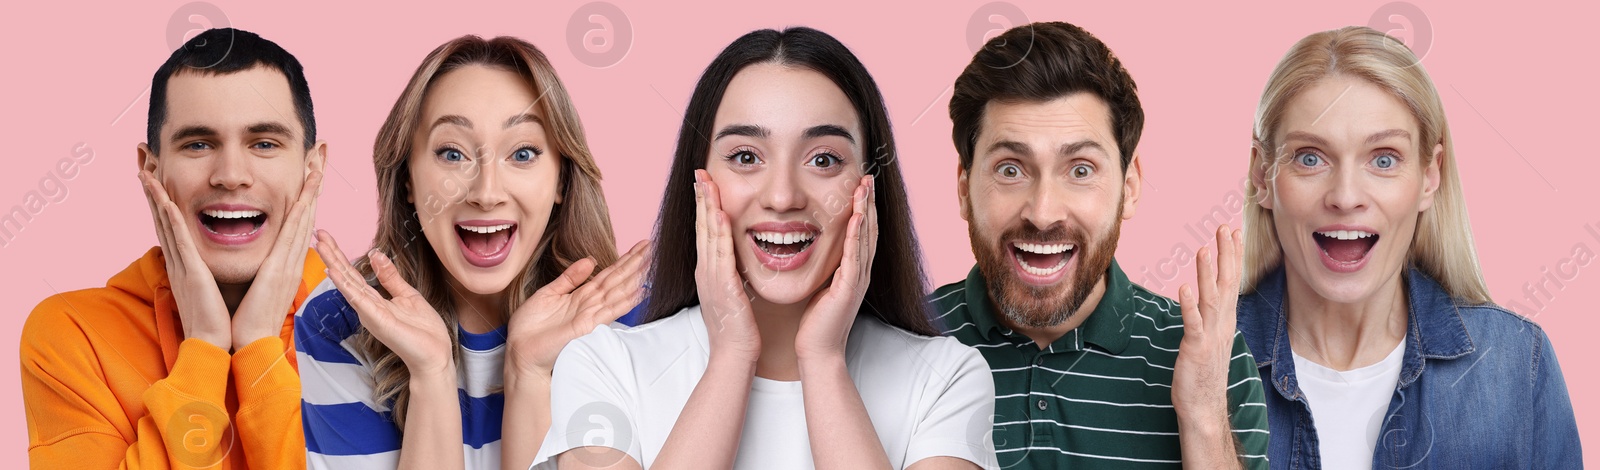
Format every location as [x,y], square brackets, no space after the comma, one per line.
[1027,232]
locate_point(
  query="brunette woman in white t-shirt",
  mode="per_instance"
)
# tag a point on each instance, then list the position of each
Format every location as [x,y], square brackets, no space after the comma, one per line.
[785,325]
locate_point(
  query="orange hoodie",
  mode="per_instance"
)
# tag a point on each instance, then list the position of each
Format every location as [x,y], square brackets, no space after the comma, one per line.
[109,382]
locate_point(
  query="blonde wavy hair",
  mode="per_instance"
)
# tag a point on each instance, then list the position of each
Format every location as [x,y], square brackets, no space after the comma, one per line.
[579,226]
[1443,245]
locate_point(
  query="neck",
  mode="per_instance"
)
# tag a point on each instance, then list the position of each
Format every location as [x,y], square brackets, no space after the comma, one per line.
[1346,335]
[233,295]
[479,313]
[1045,335]
[778,324]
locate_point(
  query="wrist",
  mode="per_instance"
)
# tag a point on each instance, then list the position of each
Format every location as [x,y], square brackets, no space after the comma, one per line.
[813,363]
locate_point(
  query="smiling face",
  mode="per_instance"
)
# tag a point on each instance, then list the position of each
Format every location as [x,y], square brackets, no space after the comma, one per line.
[1345,202]
[484,179]
[786,157]
[233,160]
[1044,202]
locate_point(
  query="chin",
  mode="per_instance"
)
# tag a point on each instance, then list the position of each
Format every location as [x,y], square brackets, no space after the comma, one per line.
[784,288]
[232,268]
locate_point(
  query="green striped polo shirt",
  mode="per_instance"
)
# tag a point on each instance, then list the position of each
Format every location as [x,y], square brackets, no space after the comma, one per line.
[1100,396]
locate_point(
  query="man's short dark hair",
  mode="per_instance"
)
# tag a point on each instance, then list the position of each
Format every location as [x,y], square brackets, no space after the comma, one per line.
[223,51]
[1041,62]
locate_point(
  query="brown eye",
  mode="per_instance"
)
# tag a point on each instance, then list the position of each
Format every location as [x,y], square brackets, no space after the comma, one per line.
[825,160]
[1082,171]
[1009,170]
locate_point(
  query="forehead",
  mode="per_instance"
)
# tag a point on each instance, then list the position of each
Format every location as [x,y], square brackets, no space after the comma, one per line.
[785,99]
[1341,108]
[230,101]
[1042,125]
[477,90]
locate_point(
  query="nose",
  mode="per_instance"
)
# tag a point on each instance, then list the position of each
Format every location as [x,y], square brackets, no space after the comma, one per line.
[782,192]
[231,169]
[484,190]
[1348,192]
[1047,207]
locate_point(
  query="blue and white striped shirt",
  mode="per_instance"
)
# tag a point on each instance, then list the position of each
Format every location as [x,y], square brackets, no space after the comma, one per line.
[346,428]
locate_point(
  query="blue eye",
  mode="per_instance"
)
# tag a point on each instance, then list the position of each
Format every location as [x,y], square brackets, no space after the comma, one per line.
[526,154]
[197,146]
[450,155]
[1308,159]
[264,146]
[1384,161]
[1082,171]
[1009,170]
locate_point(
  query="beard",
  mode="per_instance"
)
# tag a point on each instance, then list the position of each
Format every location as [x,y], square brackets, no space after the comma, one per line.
[1026,305]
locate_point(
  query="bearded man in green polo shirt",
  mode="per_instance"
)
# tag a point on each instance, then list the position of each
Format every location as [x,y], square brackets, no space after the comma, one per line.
[1090,370]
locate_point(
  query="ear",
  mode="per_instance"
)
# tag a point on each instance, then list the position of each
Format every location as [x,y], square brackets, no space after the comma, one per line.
[1258,177]
[1132,186]
[964,192]
[409,192]
[317,157]
[147,159]
[1430,178]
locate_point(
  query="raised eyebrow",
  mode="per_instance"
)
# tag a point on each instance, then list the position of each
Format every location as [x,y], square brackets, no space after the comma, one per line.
[1075,148]
[1306,136]
[193,131]
[1380,136]
[829,130]
[1018,148]
[744,130]
[451,119]
[521,118]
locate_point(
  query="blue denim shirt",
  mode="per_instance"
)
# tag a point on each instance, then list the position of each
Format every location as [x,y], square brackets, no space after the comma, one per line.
[1479,387]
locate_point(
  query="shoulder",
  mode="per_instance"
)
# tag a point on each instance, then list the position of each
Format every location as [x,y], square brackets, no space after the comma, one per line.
[1492,326]
[1156,321]
[646,344]
[880,344]
[323,323]
[66,317]
[326,311]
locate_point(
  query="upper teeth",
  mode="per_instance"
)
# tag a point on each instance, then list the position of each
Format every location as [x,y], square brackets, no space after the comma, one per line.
[485,228]
[1346,234]
[232,214]
[1042,249]
[784,238]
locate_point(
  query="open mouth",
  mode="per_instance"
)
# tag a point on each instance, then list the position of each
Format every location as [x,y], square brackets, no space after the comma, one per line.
[782,246]
[1345,250]
[1043,260]
[232,224]
[485,244]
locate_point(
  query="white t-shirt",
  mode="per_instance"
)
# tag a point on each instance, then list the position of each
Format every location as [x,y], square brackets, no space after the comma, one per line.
[1348,407]
[624,389]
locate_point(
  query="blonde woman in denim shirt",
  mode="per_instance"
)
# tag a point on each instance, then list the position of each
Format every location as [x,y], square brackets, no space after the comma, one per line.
[1363,301]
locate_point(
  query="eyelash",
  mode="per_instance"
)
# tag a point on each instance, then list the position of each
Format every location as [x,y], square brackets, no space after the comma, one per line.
[732,157]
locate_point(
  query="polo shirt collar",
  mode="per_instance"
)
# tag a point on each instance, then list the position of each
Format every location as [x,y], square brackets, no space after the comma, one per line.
[1105,327]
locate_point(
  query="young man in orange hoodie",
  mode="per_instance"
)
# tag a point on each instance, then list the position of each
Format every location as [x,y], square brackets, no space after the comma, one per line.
[182,359]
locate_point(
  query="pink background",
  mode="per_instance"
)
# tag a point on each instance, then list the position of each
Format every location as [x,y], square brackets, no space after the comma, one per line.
[1517,82]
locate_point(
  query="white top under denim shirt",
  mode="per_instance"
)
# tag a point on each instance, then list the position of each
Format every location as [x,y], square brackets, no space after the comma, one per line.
[1479,387]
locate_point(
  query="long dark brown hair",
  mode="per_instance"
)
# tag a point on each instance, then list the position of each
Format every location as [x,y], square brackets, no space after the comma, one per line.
[579,226]
[895,294]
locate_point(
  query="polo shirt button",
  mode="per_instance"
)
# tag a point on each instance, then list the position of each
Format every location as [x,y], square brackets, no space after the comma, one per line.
[1038,360]
[1043,405]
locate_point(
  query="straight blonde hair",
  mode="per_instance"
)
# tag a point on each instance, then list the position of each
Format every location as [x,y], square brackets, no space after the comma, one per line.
[1443,247]
[580,226]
